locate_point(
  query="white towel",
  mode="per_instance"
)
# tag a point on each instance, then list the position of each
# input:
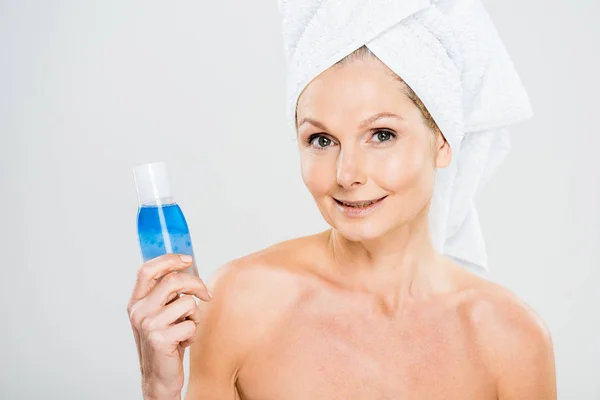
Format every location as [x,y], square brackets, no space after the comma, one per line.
[450,54]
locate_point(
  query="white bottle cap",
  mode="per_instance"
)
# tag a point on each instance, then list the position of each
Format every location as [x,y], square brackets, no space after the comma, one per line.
[152,182]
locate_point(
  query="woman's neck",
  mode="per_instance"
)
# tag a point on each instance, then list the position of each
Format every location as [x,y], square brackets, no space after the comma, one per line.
[396,268]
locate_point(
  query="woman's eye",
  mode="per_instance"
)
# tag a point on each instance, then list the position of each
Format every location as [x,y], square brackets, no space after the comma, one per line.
[320,141]
[383,136]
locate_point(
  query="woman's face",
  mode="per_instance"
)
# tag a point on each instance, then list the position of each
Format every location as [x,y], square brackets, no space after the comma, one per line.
[362,139]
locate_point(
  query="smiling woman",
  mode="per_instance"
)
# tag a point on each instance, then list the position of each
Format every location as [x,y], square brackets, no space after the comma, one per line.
[396,115]
[375,307]
[368,142]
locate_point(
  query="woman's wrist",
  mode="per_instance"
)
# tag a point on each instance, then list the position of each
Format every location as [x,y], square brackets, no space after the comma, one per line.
[152,391]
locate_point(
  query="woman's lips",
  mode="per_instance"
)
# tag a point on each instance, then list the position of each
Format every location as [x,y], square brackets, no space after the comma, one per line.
[358,208]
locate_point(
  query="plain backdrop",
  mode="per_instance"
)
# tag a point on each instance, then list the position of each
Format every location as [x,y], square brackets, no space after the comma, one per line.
[89,89]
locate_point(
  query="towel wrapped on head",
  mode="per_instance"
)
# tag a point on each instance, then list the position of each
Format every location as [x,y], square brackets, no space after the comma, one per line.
[449,53]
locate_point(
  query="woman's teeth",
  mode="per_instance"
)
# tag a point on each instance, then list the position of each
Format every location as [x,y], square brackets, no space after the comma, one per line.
[359,205]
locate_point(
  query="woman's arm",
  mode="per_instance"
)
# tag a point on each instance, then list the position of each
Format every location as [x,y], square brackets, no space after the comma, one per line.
[249,301]
[526,367]
[518,349]
[219,345]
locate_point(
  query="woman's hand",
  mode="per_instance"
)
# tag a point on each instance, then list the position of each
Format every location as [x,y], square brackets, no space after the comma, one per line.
[164,318]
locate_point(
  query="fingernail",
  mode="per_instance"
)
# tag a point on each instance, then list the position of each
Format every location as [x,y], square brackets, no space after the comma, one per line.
[186,258]
[209,293]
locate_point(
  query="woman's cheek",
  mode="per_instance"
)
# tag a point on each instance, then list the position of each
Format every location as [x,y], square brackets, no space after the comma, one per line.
[316,173]
[398,170]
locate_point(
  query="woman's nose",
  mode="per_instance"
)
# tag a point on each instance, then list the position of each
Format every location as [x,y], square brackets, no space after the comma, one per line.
[350,169]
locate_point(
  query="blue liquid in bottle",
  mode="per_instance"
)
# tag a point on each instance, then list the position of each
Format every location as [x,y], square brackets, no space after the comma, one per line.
[163,229]
[161,225]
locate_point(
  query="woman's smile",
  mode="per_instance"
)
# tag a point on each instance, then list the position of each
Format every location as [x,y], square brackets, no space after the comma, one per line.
[359,208]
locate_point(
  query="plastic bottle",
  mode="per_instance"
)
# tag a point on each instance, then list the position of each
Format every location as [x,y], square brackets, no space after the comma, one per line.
[161,225]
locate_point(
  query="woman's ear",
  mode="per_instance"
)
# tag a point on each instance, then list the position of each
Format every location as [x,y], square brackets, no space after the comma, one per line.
[443,152]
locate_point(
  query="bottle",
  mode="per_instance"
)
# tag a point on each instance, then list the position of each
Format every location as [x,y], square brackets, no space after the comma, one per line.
[161,225]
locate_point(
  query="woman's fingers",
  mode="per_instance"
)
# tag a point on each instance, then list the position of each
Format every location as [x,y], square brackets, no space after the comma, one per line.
[179,310]
[173,284]
[169,339]
[152,271]
[181,332]
[160,284]
[164,315]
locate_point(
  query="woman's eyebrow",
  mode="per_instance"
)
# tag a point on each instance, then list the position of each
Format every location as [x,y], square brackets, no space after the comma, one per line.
[312,122]
[364,123]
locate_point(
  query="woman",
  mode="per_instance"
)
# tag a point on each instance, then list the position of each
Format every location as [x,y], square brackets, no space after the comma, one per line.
[368,309]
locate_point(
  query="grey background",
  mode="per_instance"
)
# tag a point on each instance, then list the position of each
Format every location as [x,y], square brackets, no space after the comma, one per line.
[90,89]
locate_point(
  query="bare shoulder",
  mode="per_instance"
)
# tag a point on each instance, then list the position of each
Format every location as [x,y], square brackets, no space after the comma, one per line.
[251,295]
[513,340]
[253,292]
[265,282]
[278,272]
[495,312]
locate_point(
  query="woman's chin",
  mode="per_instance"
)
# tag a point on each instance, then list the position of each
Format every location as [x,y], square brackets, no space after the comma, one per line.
[360,232]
